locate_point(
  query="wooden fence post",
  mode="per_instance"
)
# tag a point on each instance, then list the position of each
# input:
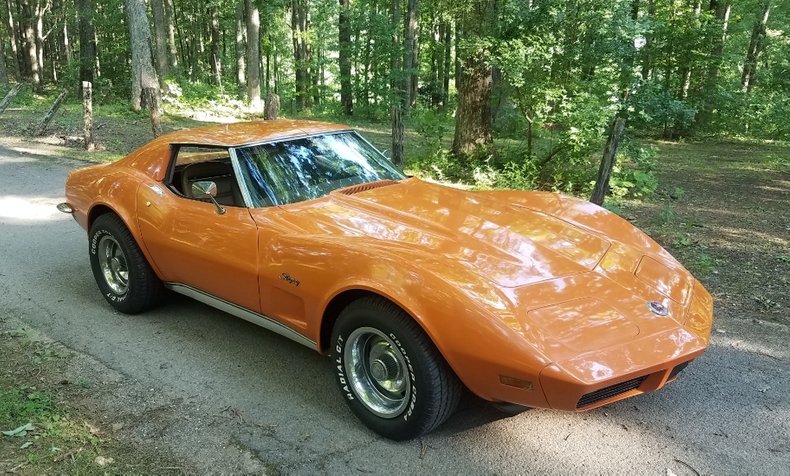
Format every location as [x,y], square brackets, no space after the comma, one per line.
[54,109]
[10,97]
[607,161]
[87,115]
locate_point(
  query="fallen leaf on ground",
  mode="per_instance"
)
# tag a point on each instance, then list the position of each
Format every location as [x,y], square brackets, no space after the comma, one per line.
[21,431]
[102,461]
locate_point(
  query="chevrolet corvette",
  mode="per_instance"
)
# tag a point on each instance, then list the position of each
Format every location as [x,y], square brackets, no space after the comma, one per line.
[414,290]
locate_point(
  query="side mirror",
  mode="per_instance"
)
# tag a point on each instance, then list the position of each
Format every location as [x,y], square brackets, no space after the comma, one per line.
[207,189]
[204,189]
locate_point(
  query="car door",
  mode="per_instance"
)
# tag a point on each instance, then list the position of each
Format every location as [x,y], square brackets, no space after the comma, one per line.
[191,243]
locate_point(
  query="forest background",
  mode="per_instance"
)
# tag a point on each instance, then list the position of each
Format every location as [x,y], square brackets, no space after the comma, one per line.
[497,93]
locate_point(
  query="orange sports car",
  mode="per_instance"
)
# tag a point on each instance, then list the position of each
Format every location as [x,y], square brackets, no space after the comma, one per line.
[415,290]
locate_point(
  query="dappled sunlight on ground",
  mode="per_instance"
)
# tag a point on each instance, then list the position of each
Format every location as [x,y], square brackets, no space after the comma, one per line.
[754,234]
[30,209]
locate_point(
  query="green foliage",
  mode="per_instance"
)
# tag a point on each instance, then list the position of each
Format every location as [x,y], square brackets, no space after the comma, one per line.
[20,405]
[656,108]
[432,126]
[703,265]
[198,93]
[442,165]
[634,173]
[666,215]
[779,162]
[759,114]
[517,175]
[510,169]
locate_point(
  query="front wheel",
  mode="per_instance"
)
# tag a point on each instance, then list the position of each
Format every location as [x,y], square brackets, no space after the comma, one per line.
[122,273]
[390,374]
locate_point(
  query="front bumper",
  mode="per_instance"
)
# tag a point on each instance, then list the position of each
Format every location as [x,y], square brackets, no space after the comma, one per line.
[563,392]
[598,377]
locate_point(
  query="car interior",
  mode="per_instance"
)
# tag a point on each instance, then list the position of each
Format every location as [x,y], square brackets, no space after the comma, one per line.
[195,165]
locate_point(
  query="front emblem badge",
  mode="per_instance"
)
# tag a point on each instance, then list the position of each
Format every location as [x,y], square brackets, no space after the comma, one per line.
[657,308]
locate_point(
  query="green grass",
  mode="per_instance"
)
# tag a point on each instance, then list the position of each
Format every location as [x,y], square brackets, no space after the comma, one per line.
[54,437]
[54,442]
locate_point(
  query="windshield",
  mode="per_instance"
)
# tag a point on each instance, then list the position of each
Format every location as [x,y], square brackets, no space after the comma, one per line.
[310,167]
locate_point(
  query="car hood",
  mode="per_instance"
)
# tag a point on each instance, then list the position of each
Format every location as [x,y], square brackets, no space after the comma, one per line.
[571,288]
[504,243]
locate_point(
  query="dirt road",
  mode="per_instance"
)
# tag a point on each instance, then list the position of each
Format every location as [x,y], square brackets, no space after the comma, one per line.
[228,397]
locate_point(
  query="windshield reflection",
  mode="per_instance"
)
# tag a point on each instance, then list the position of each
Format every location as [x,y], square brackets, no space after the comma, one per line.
[310,167]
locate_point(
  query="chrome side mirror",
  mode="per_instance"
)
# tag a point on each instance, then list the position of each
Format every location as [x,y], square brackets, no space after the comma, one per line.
[207,189]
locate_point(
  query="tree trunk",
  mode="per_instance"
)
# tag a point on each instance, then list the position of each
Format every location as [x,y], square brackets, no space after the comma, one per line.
[345,46]
[268,76]
[395,45]
[241,46]
[253,56]
[160,37]
[473,117]
[448,43]
[647,50]
[397,134]
[216,60]
[437,88]
[12,34]
[42,127]
[300,26]
[172,52]
[756,45]
[410,54]
[30,52]
[87,115]
[3,68]
[608,160]
[41,10]
[721,11]
[457,47]
[9,97]
[272,109]
[143,72]
[152,98]
[396,84]
[315,72]
[685,73]
[66,42]
[87,40]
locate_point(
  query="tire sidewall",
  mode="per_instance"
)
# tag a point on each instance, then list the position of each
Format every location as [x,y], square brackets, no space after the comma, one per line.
[100,229]
[413,419]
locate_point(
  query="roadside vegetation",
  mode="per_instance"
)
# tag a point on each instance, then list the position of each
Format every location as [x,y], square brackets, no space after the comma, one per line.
[45,419]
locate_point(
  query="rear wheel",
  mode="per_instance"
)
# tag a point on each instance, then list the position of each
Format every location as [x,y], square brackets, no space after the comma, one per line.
[390,374]
[121,271]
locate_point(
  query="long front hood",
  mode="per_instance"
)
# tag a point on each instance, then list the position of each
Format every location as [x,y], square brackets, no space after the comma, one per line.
[571,289]
[503,243]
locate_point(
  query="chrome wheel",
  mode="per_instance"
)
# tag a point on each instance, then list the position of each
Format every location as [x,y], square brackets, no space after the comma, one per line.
[377,371]
[112,262]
